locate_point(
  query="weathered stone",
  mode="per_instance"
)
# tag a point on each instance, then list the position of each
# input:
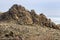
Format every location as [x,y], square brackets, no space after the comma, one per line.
[35,17]
[25,17]
[42,19]
[20,15]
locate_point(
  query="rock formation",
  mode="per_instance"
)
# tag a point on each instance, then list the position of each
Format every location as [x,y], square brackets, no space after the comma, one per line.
[22,16]
[35,17]
[44,21]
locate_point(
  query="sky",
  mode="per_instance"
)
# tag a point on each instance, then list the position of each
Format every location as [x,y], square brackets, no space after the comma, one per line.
[51,8]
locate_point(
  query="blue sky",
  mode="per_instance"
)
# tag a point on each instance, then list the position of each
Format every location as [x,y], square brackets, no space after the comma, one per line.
[51,8]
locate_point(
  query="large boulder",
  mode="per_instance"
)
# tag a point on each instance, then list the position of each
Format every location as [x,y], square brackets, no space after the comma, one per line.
[42,19]
[35,17]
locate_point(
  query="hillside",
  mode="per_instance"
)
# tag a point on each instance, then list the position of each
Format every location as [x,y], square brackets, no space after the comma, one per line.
[18,23]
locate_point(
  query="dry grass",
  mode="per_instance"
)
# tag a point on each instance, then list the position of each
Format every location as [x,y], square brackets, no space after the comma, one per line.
[30,32]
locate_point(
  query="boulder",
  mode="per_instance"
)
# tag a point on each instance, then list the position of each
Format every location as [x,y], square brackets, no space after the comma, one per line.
[35,17]
[42,19]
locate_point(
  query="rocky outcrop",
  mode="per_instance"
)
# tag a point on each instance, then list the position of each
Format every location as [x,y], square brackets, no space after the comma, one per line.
[35,17]
[19,14]
[44,21]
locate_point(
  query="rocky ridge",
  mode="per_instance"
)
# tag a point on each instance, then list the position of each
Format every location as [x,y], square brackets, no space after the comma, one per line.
[20,15]
[19,23]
